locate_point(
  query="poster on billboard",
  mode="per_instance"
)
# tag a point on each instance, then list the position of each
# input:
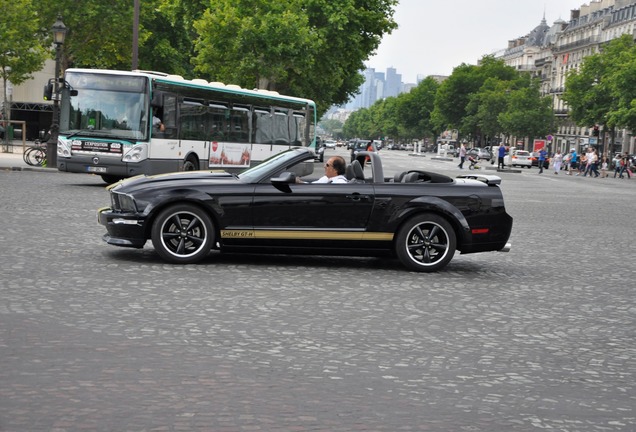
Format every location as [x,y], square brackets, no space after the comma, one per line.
[538,145]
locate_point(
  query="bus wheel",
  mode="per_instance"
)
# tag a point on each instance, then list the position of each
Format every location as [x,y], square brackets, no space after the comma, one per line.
[183,234]
[110,179]
[190,164]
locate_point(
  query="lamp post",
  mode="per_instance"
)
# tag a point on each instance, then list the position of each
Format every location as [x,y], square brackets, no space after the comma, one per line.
[59,34]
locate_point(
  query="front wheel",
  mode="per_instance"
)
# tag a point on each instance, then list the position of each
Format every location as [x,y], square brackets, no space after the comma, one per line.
[182,234]
[190,164]
[426,243]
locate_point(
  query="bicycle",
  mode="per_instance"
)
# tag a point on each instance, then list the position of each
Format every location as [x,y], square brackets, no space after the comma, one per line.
[36,154]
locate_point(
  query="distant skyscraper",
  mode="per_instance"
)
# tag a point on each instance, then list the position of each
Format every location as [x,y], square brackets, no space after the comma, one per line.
[393,83]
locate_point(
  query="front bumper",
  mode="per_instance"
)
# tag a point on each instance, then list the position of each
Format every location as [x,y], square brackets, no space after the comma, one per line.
[123,229]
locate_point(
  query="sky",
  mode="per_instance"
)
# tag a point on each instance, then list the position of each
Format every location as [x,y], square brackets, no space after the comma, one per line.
[433,36]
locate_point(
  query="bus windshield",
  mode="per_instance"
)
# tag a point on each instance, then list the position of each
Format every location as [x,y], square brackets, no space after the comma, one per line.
[112,106]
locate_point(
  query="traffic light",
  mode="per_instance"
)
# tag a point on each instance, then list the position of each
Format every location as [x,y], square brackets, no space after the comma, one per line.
[595,131]
[48,91]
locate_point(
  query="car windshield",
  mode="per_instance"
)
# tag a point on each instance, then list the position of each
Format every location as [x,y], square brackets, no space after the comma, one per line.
[257,172]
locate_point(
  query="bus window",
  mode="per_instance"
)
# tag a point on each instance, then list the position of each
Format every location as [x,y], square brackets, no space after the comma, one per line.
[281,127]
[170,116]
[263,126]
[239,125]
[297,129]
[192,118]
[217,115]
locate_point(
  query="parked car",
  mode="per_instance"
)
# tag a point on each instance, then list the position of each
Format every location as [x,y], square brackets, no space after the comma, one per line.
[479,153]
[519,158]
[534,158]
[429,216]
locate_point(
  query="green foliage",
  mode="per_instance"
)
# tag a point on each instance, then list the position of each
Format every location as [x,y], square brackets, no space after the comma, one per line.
[20,56]
[602,91]
[527,113]
[414,109]
[481,101]
[309,48]
[332,127]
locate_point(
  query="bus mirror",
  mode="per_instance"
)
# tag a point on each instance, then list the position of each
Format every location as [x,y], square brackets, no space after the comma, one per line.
[157,100]
[74,93]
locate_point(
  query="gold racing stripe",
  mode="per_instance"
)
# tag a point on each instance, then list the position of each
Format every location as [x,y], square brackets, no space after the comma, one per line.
[306,235]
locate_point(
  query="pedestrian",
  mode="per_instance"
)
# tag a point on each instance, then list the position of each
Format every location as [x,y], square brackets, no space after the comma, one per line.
[542,155]
[501,154]
[592,163]
[604,167]
[557,159]
[582,164]
[616,162]
[462,156]
[573,165]
[625,166]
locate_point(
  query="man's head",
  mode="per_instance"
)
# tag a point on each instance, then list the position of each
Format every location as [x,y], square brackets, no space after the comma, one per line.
[336,165]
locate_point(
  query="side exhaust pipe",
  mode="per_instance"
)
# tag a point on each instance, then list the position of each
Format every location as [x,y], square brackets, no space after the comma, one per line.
[506,248]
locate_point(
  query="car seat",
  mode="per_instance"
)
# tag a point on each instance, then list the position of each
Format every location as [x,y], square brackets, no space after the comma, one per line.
[354,172]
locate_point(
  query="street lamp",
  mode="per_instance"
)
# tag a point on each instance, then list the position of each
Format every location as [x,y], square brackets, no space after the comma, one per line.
[59,34]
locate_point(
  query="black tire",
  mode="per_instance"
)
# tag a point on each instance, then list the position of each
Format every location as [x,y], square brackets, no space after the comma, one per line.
[35,156]
[183,234]
[426,243]
[190,164]
[110,179]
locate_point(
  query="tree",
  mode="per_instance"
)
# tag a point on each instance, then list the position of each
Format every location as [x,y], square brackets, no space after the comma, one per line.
[414,109]
[20,56]
[528,114]
[333,127]
[309,48]
[453,108]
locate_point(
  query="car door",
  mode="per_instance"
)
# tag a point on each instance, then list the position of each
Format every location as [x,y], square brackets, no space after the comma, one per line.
[311,213]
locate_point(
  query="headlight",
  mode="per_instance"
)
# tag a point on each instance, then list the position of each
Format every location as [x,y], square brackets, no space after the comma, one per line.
[63,148]
[136,154]
[122,202]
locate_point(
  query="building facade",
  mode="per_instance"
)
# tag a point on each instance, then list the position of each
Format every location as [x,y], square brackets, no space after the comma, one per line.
[551,52]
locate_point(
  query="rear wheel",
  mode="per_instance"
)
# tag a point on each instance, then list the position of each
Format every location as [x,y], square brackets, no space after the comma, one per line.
[426,243]
[182,234]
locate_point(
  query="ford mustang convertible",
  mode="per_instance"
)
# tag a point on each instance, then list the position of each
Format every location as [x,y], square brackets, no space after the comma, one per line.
[420,217]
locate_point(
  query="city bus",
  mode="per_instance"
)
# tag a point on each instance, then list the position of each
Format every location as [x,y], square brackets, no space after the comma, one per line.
[120,124]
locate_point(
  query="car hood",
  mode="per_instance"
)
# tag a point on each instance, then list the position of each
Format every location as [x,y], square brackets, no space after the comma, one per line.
[175,180]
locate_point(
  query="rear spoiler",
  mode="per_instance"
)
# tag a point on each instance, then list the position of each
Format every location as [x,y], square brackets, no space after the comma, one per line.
[490,180]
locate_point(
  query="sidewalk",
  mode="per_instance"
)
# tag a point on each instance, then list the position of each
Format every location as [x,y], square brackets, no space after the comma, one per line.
[13,160]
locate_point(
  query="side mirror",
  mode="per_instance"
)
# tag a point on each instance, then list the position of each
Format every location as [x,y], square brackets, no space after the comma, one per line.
[283,181]
[157,99]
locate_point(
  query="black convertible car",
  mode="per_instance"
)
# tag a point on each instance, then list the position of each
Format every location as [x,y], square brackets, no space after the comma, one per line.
[420,217]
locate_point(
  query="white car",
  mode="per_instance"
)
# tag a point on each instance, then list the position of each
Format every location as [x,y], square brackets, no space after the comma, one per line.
[330,144]
[520,158]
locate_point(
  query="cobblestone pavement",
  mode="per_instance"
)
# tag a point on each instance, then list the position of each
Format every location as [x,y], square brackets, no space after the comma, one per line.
[94,337]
